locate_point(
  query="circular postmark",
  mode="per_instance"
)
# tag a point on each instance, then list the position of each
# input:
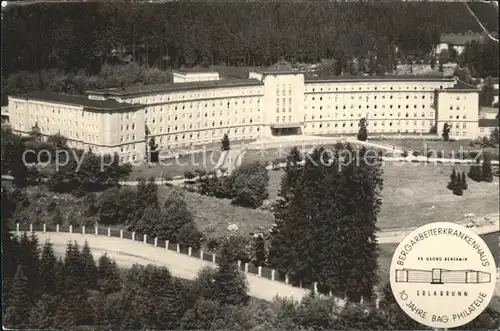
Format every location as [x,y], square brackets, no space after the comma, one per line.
[443,275]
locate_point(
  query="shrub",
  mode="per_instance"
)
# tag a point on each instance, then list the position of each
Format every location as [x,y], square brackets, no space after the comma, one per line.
[191,189]
[190,236]
[404,154]
[415,153]
[213,244]
[189,174]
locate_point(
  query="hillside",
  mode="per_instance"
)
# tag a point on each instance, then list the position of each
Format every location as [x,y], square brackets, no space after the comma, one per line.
[86,35]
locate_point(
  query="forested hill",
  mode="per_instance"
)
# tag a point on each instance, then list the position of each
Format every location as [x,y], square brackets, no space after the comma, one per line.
[85,35]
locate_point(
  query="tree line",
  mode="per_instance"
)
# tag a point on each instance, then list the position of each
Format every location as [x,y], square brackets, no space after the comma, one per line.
[42,291]
[87,35]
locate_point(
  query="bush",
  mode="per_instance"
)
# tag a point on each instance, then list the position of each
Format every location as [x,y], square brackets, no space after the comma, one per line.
[191,189]
[404,154]
[189,174]
[415,153]
[213,244]
[190,236]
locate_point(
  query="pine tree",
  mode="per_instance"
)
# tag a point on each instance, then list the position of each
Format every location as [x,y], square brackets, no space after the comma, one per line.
[475,171]
[60,278]
[29,259]
[446,132]
[19,305]
[260,251]
[453,180]
[229,282]
[9,246]
[363,131]
[48,272]
[287,212]
[226,144]
[108,276]
[90,268]
[74,279]
[153,153]
[315,239]
[457,186]
[42,314]
[486,172]
[464,181]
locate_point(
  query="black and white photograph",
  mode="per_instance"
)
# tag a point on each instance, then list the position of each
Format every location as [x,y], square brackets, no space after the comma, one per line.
[250,165]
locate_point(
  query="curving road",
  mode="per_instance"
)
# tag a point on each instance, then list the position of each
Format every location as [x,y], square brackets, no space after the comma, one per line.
[128,252]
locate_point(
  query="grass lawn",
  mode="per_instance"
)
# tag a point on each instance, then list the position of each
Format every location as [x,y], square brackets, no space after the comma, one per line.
[411,190]
[269,155]
[438,146]
[176,167]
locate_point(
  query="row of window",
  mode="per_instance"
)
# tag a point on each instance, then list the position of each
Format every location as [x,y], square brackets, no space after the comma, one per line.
[347,87]
[431,114]
[197,135]
[126,138]
[355,124]
[368,106]
[197,95]
[64,122]
[367,97]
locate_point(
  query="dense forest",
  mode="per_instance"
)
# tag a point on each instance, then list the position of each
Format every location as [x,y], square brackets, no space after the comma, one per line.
[87,35]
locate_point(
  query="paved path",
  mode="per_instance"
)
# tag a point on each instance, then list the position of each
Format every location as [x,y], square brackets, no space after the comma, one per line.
[128,252]
[368,143]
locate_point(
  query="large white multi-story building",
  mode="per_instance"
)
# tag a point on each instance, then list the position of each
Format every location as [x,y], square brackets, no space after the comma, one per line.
[276,101]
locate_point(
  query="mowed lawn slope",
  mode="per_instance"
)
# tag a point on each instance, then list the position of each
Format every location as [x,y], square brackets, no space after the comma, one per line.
[213,215]
[415,194]
[176,167]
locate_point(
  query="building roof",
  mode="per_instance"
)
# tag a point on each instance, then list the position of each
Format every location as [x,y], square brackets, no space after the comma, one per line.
[372,78]
[459,39]
[281,67]
[195,70]
[488,122]
[78,100]
[461,86]
[490,110]
[172,87]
